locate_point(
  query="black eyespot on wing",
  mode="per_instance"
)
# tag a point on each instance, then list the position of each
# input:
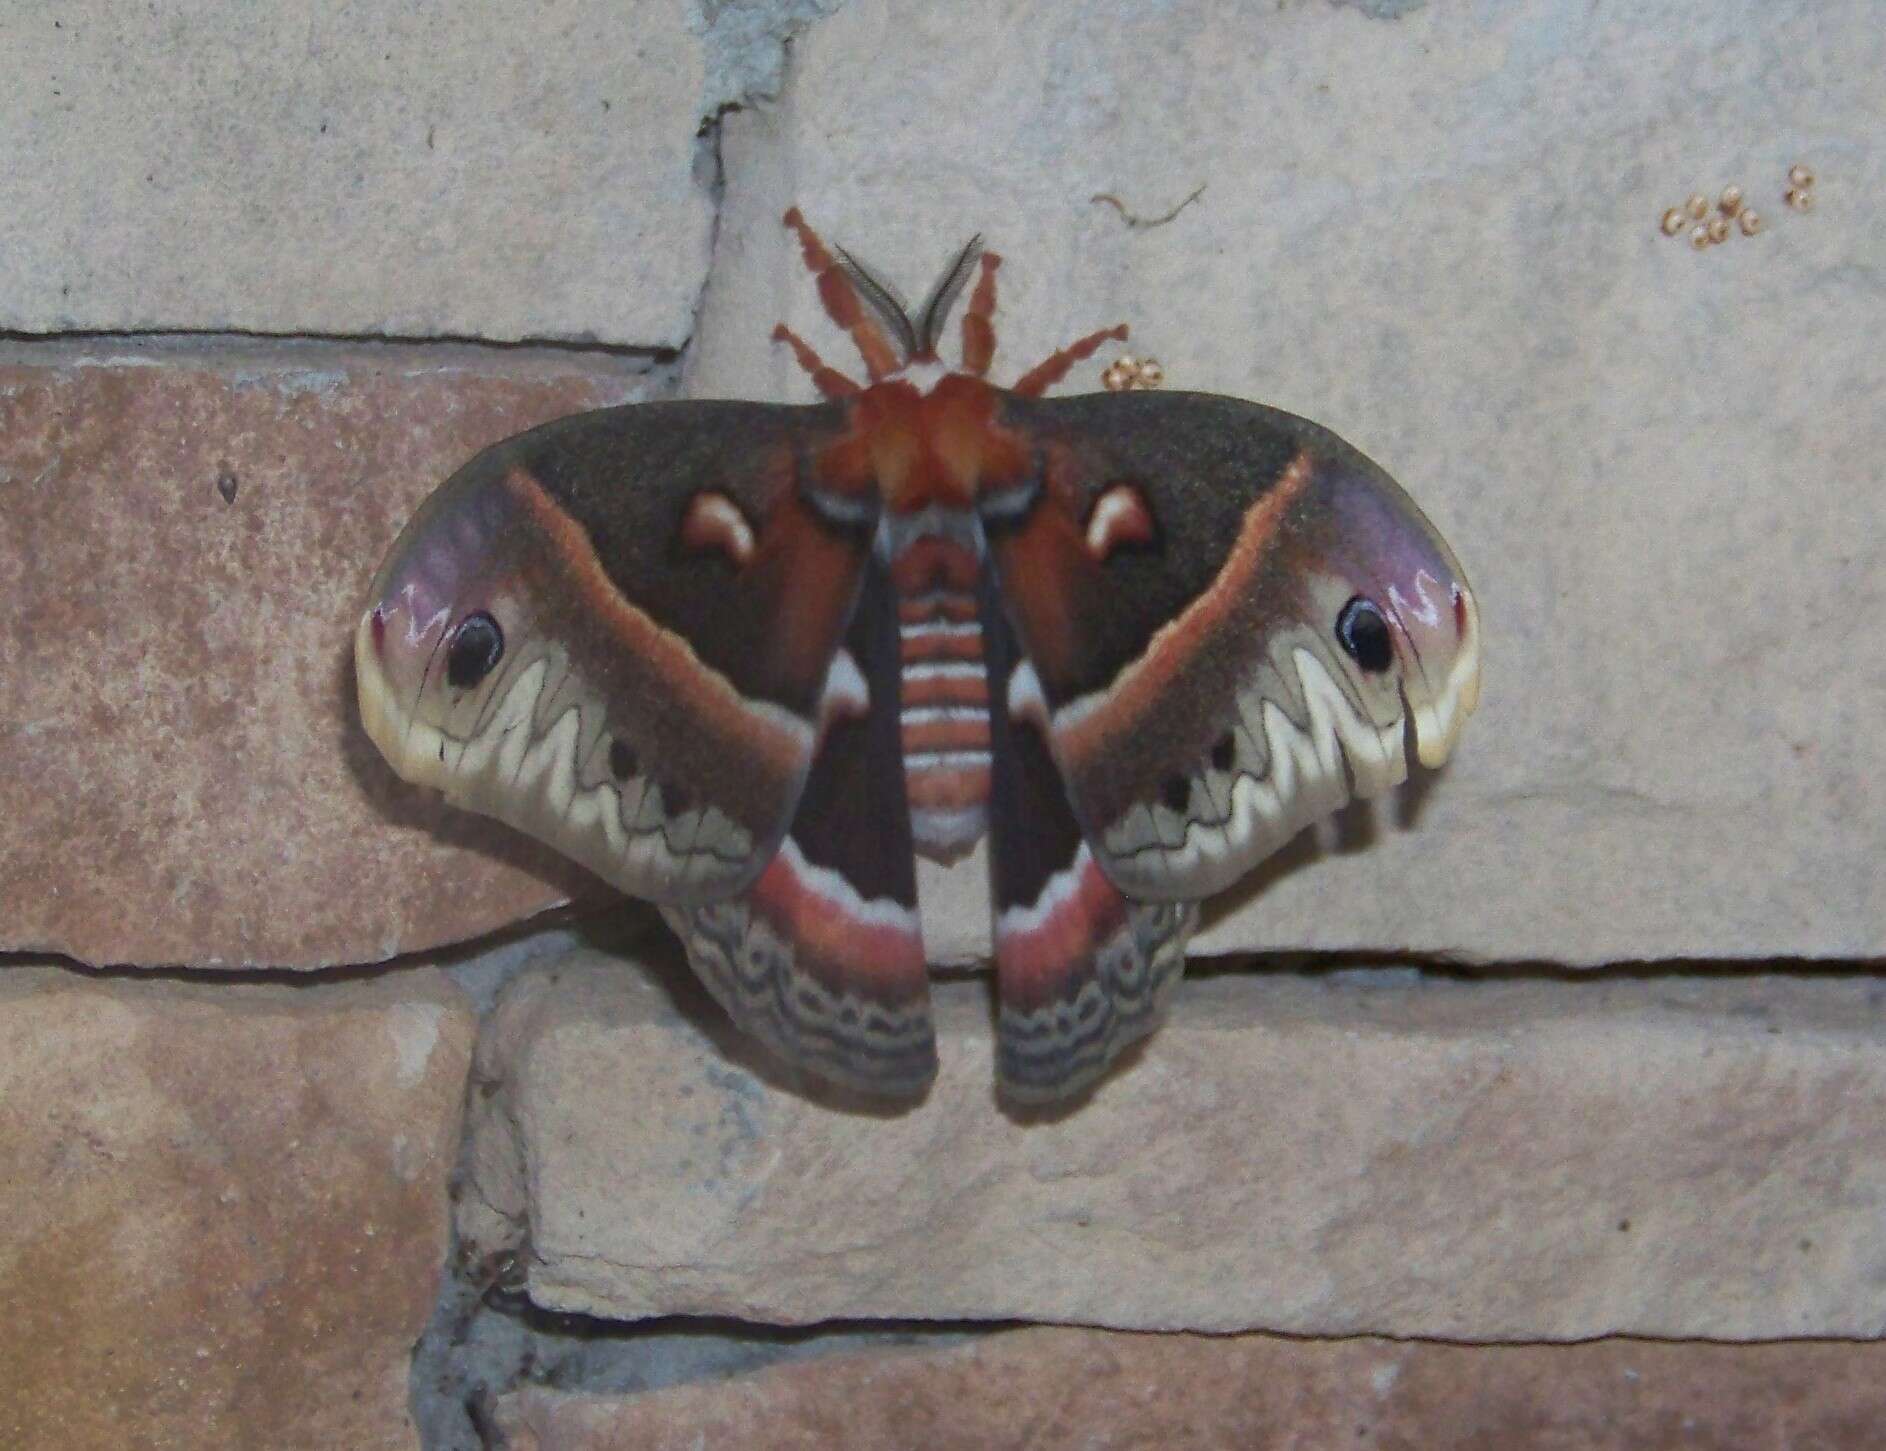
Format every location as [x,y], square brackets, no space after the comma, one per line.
[1176,792]
[676,800]
[1224,752]
[622,761]
[1363,632]
[477,647]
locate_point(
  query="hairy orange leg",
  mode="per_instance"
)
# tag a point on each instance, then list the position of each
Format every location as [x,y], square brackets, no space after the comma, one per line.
[978,321]
[840,301]
[827,379]
[1039,379]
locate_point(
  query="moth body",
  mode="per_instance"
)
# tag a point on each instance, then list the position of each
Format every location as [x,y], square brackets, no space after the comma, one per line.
[920,443]
[750,660]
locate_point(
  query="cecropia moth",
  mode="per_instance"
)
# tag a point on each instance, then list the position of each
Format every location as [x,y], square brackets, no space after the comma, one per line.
[746,660]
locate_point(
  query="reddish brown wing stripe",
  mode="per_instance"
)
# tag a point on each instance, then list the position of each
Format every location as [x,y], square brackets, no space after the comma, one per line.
[625,476]
[848,1004]
[1081,972]
[1103,1000]
[1146,685]
[655,662]
[596,727]
[1199,462]
[708,676]
[822,959]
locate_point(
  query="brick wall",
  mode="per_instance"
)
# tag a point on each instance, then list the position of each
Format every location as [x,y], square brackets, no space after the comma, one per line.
[314,1131]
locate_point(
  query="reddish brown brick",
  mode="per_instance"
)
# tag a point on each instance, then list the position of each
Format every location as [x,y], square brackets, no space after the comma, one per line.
[185,549]
[1109,1391]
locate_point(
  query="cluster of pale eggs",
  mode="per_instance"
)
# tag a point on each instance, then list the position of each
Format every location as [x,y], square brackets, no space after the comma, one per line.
[1706,230]
[1127,373]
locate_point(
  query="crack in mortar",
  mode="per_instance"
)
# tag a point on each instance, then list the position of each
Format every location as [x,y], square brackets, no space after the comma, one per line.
[183,337]
[748,45]
[486,1337]
[1382,9]
[710,173]
[748,42]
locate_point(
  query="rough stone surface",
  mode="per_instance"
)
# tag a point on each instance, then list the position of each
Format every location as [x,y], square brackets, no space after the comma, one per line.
[1342,1154]
[188,541]
[225,1207]
[416,170]
[1438,233]
[1106,1391]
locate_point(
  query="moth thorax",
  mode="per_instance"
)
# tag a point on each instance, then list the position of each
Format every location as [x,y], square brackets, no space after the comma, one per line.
[944,687]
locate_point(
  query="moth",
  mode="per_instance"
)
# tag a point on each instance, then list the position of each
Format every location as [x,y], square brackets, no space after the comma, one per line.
[747,660]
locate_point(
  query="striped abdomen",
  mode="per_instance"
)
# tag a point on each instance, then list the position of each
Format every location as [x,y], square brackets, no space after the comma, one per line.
[945,695]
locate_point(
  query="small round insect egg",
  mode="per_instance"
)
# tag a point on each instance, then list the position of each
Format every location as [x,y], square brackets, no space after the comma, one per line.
[1731,201]
[1800,175]
[1718,229]
[1151,374]
[1800,198]
[1697,206]
[1672,221]
[1751,221]
[1699,238]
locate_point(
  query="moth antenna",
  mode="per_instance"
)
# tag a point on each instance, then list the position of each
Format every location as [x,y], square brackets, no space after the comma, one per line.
[839,297]
[1043,376]
[936,307]
[885,300]
[978,322]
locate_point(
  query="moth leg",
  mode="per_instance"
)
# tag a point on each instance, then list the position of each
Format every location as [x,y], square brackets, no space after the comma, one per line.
[978,324]
[840,301]
[1041,378]
[828,380]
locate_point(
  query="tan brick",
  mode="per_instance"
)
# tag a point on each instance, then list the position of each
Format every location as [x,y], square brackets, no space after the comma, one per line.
[1316,1155]
[225,1208]
[1438,235]
[420,169]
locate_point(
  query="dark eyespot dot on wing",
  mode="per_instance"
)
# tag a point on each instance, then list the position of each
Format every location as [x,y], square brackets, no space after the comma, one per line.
[1363,633]
[1224,753]
[675,799]
[477,647]
[621,761]
[1176,792]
